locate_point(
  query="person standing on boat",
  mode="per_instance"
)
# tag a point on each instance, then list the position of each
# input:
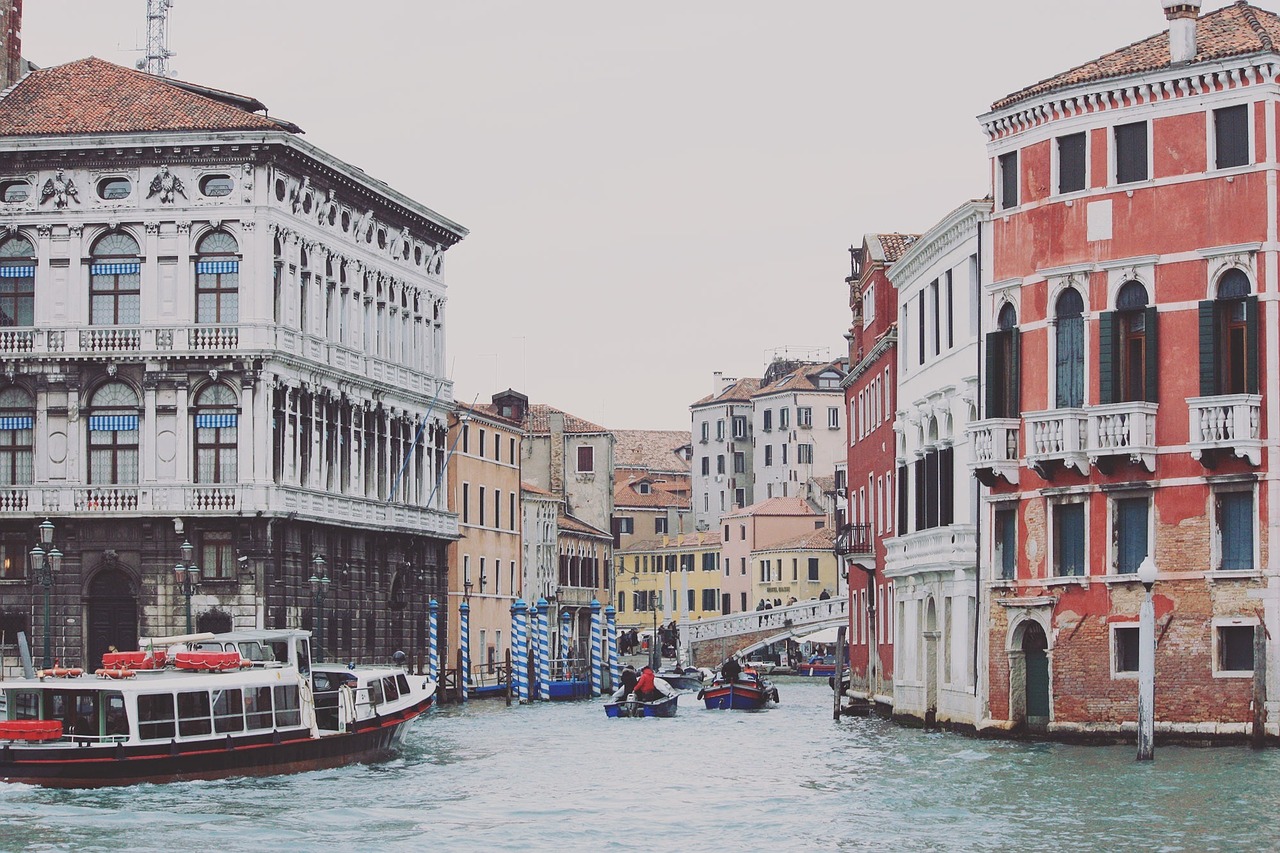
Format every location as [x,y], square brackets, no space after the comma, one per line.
[650,688]
[731,669]
[628,678]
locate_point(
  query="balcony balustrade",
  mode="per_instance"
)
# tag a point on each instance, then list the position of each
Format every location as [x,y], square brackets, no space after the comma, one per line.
[995,449]
[936,549]
[1057,436]
[856,541]
[1123,429]
[1227,423]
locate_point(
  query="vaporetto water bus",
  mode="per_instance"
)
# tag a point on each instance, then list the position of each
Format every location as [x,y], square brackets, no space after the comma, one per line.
[204,706]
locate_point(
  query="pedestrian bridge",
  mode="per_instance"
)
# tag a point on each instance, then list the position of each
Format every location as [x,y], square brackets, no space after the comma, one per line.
[707,642]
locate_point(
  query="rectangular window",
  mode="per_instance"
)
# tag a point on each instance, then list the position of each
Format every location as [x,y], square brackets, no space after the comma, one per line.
[1008,164]
[768,420]
[1126,648]
[466,503]
[1006,542]
[480,444]
[1235,530]
[720,464]
[1071,163]
[784,418]
[742,569]
[739,462]
[740,497]
[1131,152]
[482,507]
[706,466]
[706,431]
[784,453]
[511,511]
[739,427]
[920,318]
[710,598]
[511,451]
[936,304]
[1235,648]
[626,525]
[1231,136]
[768,455]
[804,417]
[720,430]
[217,554]
[804,454]
[586,459]
[1131,534]
[833,417]
[1068,540]
[951,311]
[813,568]
[660,524]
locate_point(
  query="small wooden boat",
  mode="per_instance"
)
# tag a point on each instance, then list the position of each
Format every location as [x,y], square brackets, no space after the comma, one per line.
[683,680]
[633,707]
[748,693]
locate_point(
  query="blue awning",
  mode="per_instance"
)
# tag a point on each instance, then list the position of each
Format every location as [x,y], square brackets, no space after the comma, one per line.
[17,272]
[17,422]
[103,423]
[115,269]
[217,266]
[211,421]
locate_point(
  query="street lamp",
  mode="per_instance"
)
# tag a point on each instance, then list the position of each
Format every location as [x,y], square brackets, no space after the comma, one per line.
[186,576]
[1147,663]
[319,589]
[46,561]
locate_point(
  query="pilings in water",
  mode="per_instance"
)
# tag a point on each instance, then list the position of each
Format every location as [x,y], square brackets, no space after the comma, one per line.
[544,651]
[597,662]
[520,650]
[615,673]
[433,641]
[464,649]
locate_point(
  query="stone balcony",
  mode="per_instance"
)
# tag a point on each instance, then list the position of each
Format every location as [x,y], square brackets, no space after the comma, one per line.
[939,549]
[1057,437]
[1095,436]
[233,499]
[1226,424]
[995,449]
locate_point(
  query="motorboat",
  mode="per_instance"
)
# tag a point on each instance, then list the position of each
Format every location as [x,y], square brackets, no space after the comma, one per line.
[748,692]
[633,707]
[683,679]
[245,703]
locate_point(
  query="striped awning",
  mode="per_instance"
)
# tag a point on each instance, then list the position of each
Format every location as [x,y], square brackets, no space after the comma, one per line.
[213,421]
[18,272]
[114,269]
[102,423]
[217,266]
[19,422]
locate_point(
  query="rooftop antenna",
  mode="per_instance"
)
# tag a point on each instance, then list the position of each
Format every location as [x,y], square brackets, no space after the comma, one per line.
[157,59]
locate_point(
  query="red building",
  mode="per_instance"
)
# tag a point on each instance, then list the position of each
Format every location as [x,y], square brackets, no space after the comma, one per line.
[1130,372]
[870,398]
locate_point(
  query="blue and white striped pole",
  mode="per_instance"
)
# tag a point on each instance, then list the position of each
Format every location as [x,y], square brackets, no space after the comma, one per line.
[597,653]
[519,651]
[544,652]
[464,643]
[566,640]
[611,620]
[535,652]
[433,642]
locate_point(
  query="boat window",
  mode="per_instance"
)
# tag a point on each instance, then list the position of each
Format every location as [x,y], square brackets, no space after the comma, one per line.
[304,657]
[83,717]
[287,708]
[193,713]
[279,651]
[403,683]
[117,720]
[389,688]
[26,706]
[155,716]
[375,692]
[228,710]
[252,651]
[257,707]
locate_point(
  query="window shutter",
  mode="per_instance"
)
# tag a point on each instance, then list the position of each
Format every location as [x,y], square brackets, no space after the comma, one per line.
[994,373]
[902,486]
[1151,356]
[1208,349]
[1070,362]
[946,486]
[1013,405]
[1106,357]
[1251,344]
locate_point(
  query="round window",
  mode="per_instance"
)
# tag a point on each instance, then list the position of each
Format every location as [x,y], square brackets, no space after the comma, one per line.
[14,191]
[112,189]
[216,185]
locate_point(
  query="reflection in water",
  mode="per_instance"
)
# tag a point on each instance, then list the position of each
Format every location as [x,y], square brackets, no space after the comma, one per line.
[488,777]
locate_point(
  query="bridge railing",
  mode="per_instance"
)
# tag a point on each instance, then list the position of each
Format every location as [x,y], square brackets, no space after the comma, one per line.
[802,613]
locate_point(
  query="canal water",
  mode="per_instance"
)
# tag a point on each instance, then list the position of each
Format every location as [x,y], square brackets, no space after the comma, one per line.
[542,777]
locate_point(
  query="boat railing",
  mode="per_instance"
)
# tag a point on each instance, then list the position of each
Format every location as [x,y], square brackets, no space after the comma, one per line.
[89,740]
[568,669]
[487,674]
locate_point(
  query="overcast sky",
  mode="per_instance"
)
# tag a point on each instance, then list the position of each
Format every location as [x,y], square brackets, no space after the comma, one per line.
[655,191]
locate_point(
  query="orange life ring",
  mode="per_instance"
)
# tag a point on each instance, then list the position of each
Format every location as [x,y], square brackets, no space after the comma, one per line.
[115,673]
[60,672]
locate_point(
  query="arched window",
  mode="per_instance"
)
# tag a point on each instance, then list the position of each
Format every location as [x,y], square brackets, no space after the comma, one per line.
[1229,338]
[113,435]
[114,281]
[1127,361]
[1003,390]
[217,279]
[215,422]
[17,282]
[1069,315]
[17,418]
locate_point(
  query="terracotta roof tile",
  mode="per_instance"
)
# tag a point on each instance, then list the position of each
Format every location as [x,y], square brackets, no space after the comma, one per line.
[895,245]
[487,410]
[674,543]
[535,490]
[739,392]
[570,524]
[822,539]
[537,419]
[626,496]
[1234,30]
[92,96]
[775,506]
[652,449]
[804,378]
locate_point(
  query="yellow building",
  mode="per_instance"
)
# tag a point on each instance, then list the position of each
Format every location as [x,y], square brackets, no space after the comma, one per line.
[802,568]
[666,579]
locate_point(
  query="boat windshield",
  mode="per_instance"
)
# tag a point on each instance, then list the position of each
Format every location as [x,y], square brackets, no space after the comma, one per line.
[88,715]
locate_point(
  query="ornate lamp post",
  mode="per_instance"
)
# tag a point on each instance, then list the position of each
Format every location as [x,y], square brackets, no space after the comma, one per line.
[186,576]
[319,589]
[46,561]
[1147,663]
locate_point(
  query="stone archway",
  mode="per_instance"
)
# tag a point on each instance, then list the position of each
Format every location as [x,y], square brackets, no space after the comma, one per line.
[111,608]
[1030,700]
[930,663]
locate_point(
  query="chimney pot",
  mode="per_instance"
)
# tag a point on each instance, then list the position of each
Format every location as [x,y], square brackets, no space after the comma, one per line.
[1182,16]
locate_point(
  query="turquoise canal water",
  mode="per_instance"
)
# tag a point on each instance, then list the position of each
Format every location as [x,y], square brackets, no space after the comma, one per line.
[563,777]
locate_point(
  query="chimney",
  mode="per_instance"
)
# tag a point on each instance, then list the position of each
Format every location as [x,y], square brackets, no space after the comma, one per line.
[555,424]
[11,33]
[717,380]
[1182,17]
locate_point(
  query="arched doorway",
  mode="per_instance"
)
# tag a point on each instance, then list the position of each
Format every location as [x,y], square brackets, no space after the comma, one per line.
[112,614]
[931,665]
[1036,661]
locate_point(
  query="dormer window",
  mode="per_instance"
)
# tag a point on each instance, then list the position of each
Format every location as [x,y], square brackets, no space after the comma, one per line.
[643,488]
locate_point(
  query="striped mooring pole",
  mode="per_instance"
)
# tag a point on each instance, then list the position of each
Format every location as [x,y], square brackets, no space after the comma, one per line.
[535,648]
[464,643]
[544,652]
[433,642]
[566,641]
[519,651]
[611,619]
[597,653]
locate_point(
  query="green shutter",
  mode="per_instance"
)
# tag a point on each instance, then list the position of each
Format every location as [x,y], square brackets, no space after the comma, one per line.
[1251,344]
[992,374]
[1106,357]
[1015,374]
[1208,349]
[1152,356]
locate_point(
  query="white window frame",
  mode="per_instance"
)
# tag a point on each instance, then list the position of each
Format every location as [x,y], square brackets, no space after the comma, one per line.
[1116,673]
[869,305]
[1114,162]
[833,417]
[1229,622]
[1056,167]
[1211,138]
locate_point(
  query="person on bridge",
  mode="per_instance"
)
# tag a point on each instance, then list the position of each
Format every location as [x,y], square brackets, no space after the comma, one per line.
[824,596]
[731,669]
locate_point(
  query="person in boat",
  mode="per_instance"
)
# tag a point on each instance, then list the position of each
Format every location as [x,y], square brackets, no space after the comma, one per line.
[628,678]
[650,688]
[731,669]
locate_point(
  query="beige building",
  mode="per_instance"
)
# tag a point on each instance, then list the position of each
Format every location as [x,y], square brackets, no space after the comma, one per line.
[485,563]
[669,578]
[651,485]
[753,529]
[802,567]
